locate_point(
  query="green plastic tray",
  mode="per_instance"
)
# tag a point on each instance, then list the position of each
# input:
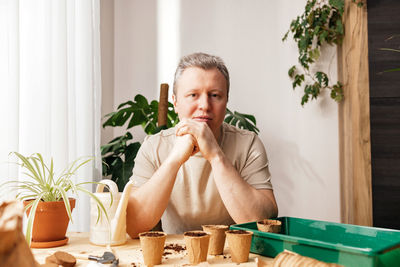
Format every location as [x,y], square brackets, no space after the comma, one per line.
[345,244]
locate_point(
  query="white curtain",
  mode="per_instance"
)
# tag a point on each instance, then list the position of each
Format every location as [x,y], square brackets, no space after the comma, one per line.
[50,90]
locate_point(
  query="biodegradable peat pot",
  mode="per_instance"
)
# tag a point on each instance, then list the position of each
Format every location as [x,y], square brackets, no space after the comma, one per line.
[196,246]
[50,223]
[217,238]
[271,226]
[152,244]
[239,242]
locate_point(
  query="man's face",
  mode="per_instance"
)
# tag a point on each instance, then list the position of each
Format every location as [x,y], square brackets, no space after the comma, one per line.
[201,95]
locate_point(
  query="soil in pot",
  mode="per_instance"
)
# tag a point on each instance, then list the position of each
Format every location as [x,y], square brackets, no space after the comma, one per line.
[239,242]
[152,244]
[197,246]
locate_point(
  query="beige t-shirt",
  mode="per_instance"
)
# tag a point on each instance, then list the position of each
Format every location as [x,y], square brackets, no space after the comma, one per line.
[195,199]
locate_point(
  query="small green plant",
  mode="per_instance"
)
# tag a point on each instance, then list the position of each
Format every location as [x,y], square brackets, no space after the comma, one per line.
[119,154]
[44,185]
[320,23]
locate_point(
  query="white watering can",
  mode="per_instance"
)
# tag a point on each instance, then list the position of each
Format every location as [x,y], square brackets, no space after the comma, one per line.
[103,232]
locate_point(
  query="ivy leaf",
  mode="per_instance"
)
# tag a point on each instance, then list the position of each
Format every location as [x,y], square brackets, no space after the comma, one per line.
[316,30]
[314,54]
[292,71]
[298,79]
[304,59]
[339,27]
[315,90]
[304,99]
[338,4]
[323,35]
[285,36]
[337,92]
[322,78]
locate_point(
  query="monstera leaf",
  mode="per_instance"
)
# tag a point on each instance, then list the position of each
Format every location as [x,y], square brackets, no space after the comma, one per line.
[241,120]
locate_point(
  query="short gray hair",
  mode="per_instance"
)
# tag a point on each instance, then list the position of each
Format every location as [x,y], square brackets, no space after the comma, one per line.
[203,61]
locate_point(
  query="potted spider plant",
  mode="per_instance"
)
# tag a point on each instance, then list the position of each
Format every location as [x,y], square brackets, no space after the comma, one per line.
[48,198]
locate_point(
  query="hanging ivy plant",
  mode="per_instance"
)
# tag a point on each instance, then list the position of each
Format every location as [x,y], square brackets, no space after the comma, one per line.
[320,23]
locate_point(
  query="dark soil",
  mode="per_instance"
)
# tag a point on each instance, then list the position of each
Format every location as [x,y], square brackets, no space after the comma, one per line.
[175,247]
[237,232]
[152,234]
[195,234]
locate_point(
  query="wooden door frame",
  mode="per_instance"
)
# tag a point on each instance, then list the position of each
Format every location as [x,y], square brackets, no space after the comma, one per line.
[354,119]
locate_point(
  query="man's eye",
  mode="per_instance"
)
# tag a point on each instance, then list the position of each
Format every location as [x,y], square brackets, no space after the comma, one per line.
[215,95]
[193,95]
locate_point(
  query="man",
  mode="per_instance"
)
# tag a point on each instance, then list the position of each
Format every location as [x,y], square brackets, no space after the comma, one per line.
[202,171]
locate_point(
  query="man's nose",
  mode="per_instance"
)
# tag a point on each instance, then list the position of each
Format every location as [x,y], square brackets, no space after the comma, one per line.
[204,102]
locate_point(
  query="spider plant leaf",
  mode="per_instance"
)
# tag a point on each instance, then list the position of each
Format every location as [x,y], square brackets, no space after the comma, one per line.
[51,172]
[30,188]
[38,169]
[79,165]
[27,165]
[98,201]
[44,166]
[30,175]
[106,185]
[31,218]
[66,201]
[27,197]
[29,205]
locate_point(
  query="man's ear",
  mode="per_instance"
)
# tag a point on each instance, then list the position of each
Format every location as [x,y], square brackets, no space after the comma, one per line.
[174,102]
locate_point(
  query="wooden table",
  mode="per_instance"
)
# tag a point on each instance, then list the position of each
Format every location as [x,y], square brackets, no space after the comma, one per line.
[130,254]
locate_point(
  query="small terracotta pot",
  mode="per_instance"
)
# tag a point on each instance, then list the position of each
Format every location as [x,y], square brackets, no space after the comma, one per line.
[271,226]
[51,220]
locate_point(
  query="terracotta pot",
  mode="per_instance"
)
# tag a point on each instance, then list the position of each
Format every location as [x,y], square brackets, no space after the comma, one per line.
[51,220]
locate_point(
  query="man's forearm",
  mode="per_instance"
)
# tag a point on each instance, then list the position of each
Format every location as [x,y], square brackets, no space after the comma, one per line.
[147,203]
[243,202]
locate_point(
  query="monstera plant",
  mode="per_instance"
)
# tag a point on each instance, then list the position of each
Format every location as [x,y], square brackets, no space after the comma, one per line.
[119,154]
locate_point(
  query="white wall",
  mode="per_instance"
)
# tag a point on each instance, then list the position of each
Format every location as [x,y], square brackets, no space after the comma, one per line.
[302,142]
[107,63]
